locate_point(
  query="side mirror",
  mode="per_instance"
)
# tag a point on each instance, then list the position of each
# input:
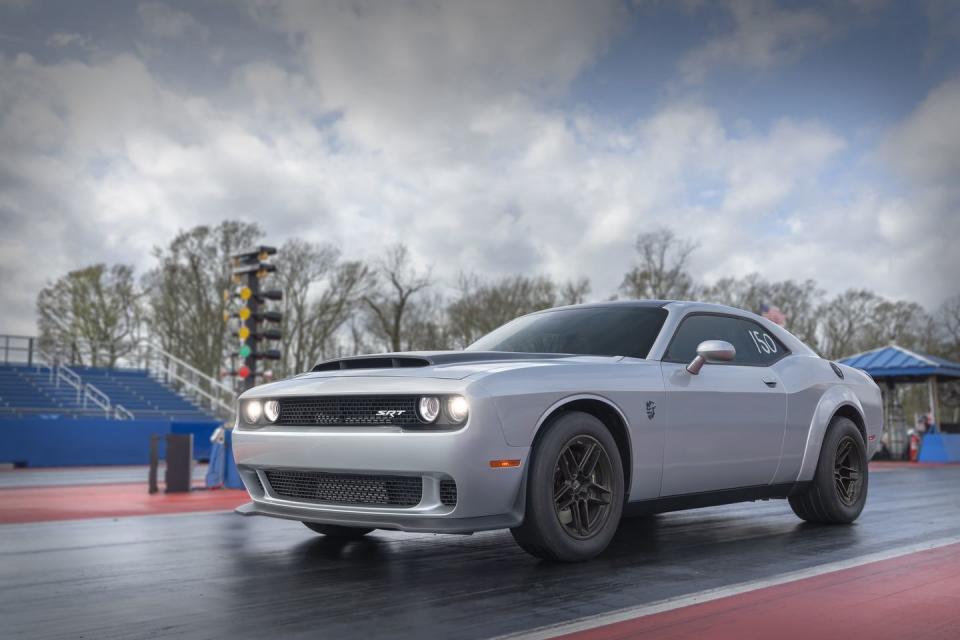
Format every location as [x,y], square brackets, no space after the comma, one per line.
[711,351]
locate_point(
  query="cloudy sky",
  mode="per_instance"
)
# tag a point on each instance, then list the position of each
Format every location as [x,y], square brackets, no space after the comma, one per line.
[796,140]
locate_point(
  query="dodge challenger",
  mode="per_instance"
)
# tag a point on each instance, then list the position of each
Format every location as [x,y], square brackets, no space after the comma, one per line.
[560,423]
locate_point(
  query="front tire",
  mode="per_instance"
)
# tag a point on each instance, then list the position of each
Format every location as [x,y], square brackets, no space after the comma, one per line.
[338,532]
[575,491]
[839,488]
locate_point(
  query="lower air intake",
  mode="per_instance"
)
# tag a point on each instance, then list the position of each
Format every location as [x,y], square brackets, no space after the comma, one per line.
[346,488]
[448,492]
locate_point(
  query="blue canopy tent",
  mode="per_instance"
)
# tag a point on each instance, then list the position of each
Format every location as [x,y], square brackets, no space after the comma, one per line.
[892,365]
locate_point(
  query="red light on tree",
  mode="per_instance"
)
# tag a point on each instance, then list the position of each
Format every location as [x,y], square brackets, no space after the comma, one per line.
[243,372]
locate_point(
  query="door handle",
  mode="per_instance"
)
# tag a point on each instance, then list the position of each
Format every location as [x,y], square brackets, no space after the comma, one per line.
[770,383]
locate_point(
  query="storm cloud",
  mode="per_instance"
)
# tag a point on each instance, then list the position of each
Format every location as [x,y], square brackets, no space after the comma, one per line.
[496,137]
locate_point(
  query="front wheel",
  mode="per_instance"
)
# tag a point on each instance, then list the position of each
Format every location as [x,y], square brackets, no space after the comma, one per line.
[337,531]
[575,491]
[839,488]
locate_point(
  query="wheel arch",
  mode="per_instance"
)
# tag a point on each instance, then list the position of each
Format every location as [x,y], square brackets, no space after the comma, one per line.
[606,412]
[837,401]
[852,413]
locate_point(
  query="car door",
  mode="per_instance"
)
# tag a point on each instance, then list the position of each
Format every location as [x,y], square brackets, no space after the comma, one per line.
[726,424]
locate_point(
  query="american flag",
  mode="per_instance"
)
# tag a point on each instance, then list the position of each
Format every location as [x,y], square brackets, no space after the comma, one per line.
[773,314]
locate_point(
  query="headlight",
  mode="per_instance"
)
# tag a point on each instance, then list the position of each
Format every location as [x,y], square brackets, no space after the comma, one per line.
[252,410]
[458,408]
[271,409]
[429,408]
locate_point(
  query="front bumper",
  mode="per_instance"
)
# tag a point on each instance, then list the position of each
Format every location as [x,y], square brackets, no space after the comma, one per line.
[487,498]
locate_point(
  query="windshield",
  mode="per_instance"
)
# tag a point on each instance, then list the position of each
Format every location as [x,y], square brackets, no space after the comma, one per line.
[587,331]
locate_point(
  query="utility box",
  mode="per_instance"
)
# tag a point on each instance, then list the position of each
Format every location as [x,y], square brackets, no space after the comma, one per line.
[179,475]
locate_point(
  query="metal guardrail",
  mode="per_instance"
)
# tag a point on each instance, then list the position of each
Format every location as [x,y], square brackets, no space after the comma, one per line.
[12,346]
[87,393]
[121,413]
[70,377]
[204,389]
[97,397]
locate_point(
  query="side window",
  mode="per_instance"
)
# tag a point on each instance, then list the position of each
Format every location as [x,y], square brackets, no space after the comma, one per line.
[764,348]
[692,331]
[754,344]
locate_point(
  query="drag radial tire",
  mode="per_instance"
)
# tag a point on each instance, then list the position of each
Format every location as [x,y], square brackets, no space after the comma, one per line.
[839,487]
[337,531]
[574,489]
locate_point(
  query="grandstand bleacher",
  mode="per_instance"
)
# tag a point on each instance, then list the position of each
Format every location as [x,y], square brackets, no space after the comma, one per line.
[30,390]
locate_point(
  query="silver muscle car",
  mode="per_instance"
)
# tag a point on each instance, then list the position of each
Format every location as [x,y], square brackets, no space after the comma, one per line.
[560,422]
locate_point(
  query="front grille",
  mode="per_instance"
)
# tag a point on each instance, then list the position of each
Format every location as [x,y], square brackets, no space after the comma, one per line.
[448,492]
[357,411]
[346,488]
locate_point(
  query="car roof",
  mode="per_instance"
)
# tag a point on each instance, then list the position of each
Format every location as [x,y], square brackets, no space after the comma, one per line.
[656,304]
[682,307]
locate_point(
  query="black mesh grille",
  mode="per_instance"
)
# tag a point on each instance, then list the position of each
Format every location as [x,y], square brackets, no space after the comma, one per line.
[346,488]
[349,411]
[448,492]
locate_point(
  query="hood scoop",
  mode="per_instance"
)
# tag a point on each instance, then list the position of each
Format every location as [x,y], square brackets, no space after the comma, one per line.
[371,362]
[426,359]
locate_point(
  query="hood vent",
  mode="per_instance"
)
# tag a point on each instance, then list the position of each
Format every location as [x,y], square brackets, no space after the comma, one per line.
[372,363]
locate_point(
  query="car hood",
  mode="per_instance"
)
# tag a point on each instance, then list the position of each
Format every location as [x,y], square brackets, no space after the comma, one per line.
[398,372]
[450,365]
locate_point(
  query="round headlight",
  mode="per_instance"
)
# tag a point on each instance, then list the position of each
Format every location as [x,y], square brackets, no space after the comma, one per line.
[458,408]
[271,409]
[429,408]
[252,410]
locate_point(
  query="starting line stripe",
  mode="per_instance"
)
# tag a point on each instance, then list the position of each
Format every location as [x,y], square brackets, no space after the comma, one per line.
[708,595]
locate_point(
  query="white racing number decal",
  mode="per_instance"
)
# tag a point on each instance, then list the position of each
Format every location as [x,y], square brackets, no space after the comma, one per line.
[763,342]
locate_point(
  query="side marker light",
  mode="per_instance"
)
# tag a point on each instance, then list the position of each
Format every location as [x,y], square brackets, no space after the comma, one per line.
[504,464]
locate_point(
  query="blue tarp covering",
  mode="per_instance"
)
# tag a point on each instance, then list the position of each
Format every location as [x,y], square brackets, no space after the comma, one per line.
[58,441]
[940,447]
[897,362]
[222,471]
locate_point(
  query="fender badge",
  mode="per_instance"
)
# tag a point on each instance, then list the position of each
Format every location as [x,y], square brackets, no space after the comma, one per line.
[651,409]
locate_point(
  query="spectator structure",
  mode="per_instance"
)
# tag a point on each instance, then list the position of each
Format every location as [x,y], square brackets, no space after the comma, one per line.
[893,365]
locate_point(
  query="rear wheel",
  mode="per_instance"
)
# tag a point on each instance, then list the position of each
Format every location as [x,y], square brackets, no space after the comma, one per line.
[337,531]
[574,491]
[839,488]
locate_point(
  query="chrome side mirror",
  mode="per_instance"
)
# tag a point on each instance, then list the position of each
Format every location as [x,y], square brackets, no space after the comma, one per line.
[711,351]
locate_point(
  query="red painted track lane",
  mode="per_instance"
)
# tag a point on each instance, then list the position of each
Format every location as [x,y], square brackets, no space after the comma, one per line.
[916,596]
[44,504]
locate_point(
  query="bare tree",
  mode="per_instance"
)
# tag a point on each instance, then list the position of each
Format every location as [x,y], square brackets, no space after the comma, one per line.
[92,315]
[482,306]
[320,293]
[842,322]
[575,291]
[391,304]
[947,328]
[186,291]
[947,332]
[797,300]
[661,271]
[898,321]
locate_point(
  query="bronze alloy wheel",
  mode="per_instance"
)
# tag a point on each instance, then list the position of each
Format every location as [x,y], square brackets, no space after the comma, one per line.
[582,487]
[847,471]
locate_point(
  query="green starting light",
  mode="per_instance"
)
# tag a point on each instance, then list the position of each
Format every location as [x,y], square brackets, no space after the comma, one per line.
[245,351]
